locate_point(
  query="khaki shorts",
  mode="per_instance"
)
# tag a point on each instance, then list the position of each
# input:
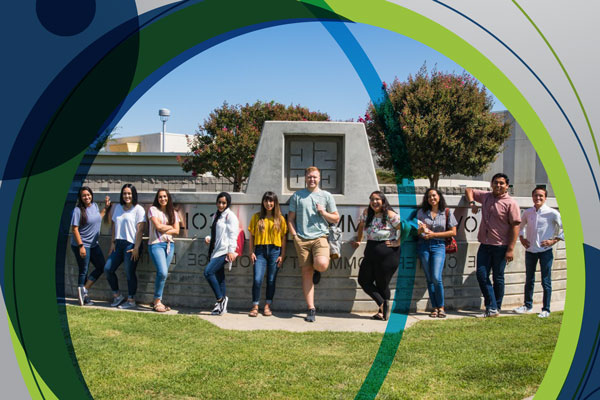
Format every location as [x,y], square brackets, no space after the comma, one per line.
[307,249]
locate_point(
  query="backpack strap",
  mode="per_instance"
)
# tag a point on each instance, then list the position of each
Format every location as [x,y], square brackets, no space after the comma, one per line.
[447,212]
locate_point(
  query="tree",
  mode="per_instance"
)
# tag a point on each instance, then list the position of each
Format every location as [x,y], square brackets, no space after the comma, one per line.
[225,143]
[435,124]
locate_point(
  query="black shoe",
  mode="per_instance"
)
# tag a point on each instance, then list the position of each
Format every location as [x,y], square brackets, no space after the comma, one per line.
[316,277]
[311,315]
[378,317]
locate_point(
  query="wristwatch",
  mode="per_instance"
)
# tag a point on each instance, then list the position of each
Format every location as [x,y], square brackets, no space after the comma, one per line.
[472,203]
[80,245]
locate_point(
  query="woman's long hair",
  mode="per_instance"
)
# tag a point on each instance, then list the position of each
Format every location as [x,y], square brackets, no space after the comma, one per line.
[217,215]
[134,196]
[385,207]
[170,209]
[425,206]
[263,212]
[81,206]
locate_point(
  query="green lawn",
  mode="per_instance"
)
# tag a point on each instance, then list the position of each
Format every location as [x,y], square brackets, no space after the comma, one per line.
[127,355]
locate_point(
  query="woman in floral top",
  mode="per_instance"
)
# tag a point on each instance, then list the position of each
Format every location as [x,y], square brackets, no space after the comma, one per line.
[436,223]
[380,224]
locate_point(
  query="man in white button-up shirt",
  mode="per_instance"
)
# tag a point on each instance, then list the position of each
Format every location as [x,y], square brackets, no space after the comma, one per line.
[541,228]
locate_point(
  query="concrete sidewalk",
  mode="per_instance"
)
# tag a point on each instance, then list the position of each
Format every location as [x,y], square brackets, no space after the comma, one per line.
[294,322]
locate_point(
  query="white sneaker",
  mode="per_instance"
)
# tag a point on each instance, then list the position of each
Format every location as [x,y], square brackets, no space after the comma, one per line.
[81,295]
[224,305]
[217,309]
[544,314]
[523,310]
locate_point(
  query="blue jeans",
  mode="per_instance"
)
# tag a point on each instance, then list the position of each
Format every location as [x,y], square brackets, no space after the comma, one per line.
[93,255]
[266,259]
[432,254]
[214,273]
[115,259]
[531,259]
[162,261]
[491,258]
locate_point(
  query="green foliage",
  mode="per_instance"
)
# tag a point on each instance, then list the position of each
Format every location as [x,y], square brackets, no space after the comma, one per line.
[385,176]
[137,355]
[225,143]
[435,124]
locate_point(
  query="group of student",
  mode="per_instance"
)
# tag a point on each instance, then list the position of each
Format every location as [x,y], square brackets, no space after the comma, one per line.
[311,212]
[128,220]
[538,229]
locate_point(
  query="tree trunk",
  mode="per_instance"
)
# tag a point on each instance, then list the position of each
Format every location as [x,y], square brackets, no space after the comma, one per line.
[434,180]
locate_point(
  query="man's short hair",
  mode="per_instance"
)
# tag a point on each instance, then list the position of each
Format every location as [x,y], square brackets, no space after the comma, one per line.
[311,169]
[500,175]
[542,188]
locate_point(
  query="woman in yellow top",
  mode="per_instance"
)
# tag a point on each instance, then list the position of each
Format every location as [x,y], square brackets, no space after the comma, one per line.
[267,245]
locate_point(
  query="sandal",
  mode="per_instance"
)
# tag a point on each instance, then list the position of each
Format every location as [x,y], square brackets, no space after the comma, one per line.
[378,317]
[434,313]
[441,313]
[160,307]
[267,311]
[254,311]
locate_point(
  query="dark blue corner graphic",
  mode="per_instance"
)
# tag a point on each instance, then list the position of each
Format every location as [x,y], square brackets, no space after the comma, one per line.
[583,380]
[65,17]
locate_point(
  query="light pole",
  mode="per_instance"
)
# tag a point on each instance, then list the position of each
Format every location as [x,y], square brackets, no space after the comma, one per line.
[164,115]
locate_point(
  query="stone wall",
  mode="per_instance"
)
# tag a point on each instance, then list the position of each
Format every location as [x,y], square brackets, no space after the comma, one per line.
[338,290]
[285,148]
[173,183]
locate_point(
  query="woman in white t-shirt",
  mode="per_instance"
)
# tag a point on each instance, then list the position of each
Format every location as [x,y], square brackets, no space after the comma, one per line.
[164,223]
[128,219]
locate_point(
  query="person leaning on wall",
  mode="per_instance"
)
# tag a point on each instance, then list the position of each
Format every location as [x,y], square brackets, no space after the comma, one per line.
[540,229]
[85,225]
[310,213]
[222,244]
[436,223]
[164,223]
[268,231]
[128,221]
[380,224]
[497,236]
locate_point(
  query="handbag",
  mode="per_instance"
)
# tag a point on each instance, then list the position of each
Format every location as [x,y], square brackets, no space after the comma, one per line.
[451,245]
[240,239]
[335,241]
[334,238]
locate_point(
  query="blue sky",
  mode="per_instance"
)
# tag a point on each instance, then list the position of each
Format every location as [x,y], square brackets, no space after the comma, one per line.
[296,63]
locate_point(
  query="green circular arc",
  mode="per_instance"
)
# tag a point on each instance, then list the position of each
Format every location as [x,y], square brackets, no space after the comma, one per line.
[398,19]
[186,29]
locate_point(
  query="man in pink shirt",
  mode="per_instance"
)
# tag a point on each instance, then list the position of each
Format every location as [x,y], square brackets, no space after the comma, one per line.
[497,236]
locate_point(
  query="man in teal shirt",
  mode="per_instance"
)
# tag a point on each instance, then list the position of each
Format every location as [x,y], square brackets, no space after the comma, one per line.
[310,213]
